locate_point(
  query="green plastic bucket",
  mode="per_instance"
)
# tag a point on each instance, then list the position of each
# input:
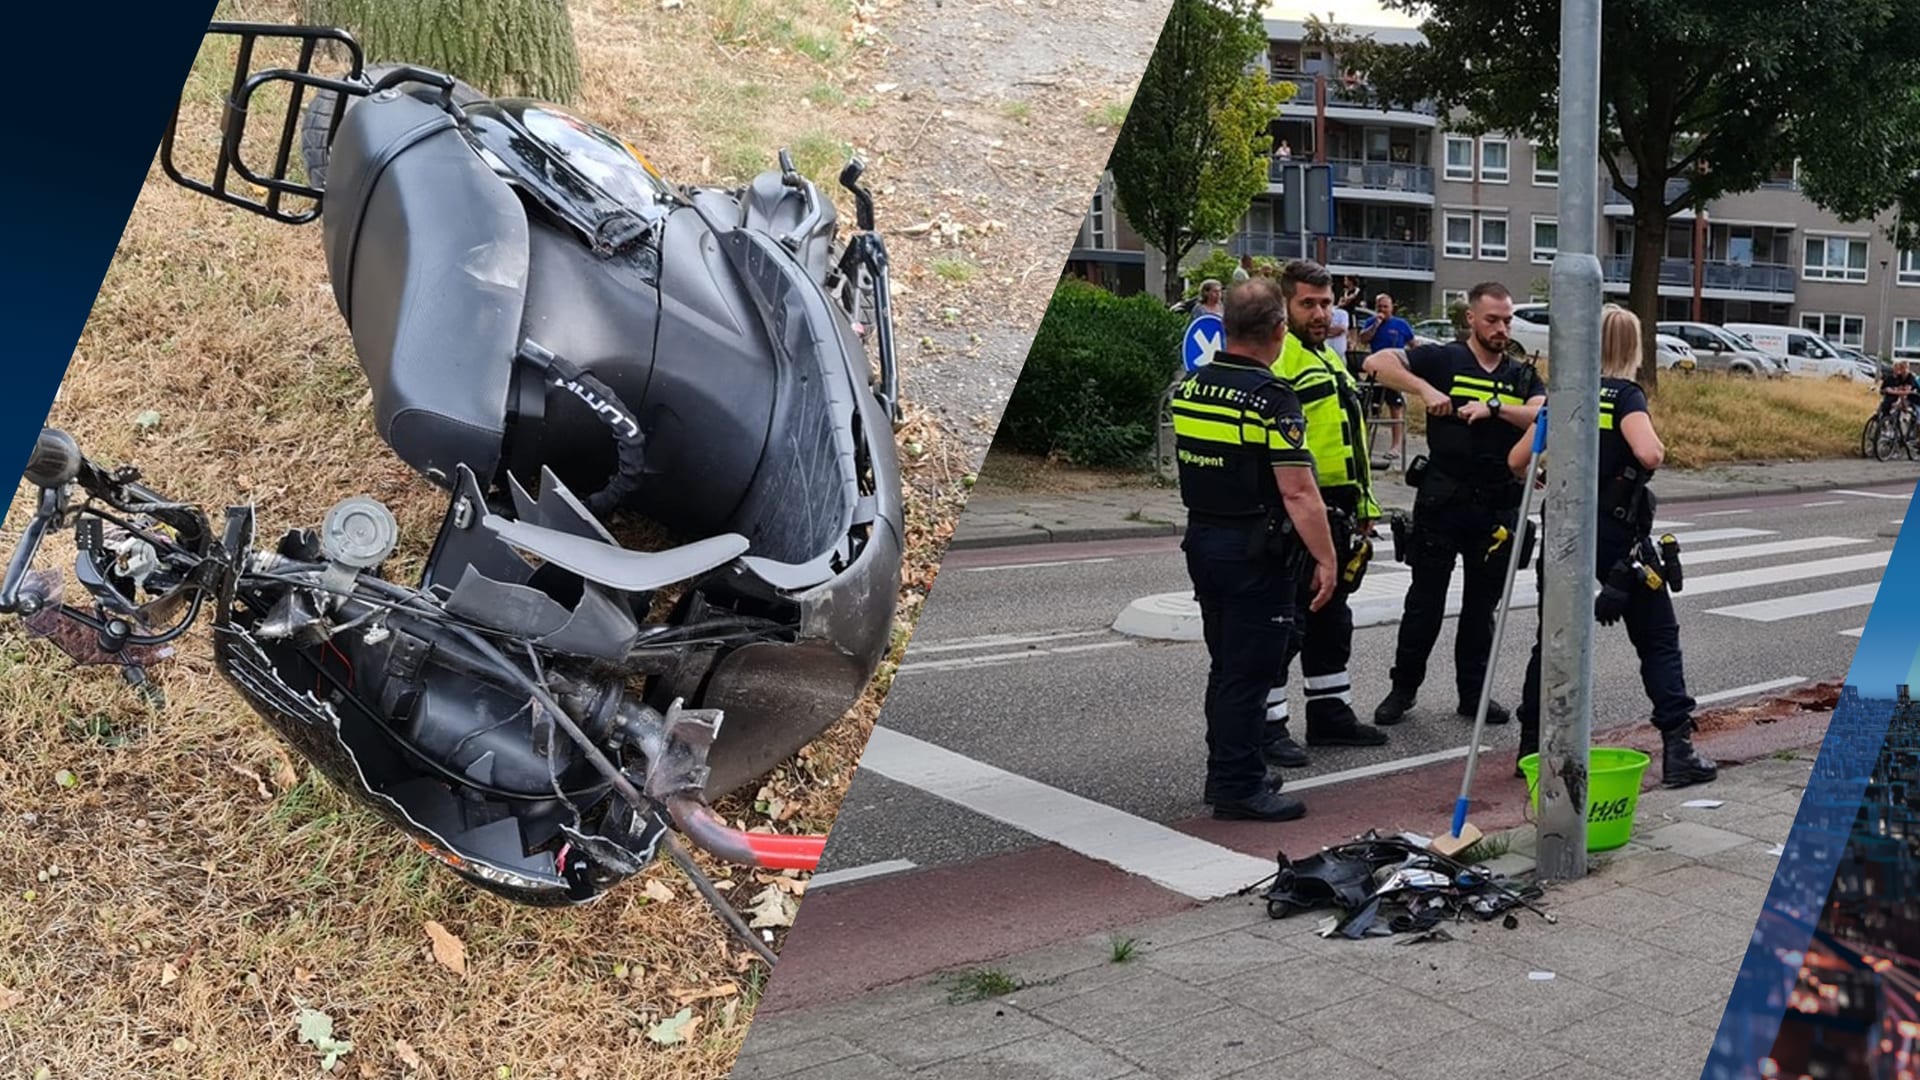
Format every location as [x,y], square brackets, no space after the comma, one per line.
[1613,793]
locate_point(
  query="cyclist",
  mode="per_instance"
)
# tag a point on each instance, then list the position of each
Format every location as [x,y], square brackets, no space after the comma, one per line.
[1896,389]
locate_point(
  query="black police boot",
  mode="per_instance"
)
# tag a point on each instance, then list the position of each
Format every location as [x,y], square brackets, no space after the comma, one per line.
[1682,764]
[1496,712]
[1393,710]
[1280,751]
[1266,805]
[1332,723]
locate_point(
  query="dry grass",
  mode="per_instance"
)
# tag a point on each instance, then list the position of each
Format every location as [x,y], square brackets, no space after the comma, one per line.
[200,888]
[1711,420]
[1010,472]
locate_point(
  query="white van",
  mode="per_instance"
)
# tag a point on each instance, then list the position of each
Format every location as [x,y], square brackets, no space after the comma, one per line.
[1807,354]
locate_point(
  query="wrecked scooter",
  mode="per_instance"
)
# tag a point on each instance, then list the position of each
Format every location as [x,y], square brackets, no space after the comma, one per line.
[538,313]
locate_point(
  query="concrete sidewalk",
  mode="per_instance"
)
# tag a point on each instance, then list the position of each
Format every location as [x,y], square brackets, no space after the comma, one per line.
[996,518]
[1630,982]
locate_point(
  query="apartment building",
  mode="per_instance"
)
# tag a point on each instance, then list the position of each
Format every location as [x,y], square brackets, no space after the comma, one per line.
[1423,213]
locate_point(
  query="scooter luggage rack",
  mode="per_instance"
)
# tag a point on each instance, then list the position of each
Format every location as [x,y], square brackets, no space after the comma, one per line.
[233,127]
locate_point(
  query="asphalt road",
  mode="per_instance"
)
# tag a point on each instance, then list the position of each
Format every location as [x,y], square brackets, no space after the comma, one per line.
[1016,690]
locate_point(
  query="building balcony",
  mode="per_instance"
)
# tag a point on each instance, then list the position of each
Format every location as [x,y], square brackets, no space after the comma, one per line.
[1385,181]
[1770,281]
[1344,253]
[1618,203]
[1340,97]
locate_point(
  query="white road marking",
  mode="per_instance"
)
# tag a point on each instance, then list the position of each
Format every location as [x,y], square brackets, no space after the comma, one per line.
[999,641]
[1774,575]
[1855,632]
[859,873]
[1380,769]
[1662,524]
[998,659]
[1712,536]
[1875,495]
[1171,859]
[1745,691]
[1823,502]
[1031,565]
[1789,607]
[1725,513]
[1758,551]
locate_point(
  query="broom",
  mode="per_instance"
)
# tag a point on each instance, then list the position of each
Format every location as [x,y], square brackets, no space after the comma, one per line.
[1464,835]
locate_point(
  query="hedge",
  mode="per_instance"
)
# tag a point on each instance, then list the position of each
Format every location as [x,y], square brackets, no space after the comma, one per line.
[1090,391]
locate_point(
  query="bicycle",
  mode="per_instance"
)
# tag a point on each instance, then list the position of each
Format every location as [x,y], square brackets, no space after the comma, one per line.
[1879,439]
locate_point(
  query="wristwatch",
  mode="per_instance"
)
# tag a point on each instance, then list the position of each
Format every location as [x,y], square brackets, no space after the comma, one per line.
[1493,408]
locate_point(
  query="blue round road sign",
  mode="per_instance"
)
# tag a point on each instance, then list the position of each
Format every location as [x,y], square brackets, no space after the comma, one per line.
[1206,334]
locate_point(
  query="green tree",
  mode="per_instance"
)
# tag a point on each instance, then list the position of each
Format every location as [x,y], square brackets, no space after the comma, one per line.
[1697,100]
[1193,153]
[522,47]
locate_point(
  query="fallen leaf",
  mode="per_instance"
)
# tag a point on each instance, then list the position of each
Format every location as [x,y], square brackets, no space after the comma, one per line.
[408,1056]
[147,420]
[258,784]
[65,778]
[657,891]
[283,775]
[695,994]
[9,998]
[772,907]
[169,974]
[675,1029]
[447,949]
[316,1027]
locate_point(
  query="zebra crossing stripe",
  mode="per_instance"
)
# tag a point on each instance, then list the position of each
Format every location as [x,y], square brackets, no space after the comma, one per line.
[1793,607]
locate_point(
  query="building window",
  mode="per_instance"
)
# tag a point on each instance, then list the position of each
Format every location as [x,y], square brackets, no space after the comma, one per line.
[1546,239]
[1493,237]
[1459,157]
[1909,268]
[1906,339]
[1838,329]
[1450,297]
[1493,161]
[1459,236]
[1097,222]
[1546,166]
[1836,258]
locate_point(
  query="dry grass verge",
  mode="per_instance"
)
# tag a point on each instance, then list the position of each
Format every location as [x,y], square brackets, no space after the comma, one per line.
[173,909]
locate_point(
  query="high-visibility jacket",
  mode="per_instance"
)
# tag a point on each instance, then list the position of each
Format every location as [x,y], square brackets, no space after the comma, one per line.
[1336,428]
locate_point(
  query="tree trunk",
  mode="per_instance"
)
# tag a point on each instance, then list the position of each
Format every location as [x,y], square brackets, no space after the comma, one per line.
[1170,284]
[504,47]
[1643,291]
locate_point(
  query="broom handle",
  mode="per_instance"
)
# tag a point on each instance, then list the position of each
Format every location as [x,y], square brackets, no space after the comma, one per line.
[1500,623]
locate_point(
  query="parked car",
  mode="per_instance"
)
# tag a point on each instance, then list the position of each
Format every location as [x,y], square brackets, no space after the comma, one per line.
[1530,328]
[1435,329]
[1716,349]
[1807,354]
[1673,354]
[1873,365]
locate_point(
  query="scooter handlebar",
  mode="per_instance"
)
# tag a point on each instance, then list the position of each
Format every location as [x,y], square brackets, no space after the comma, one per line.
[56,459]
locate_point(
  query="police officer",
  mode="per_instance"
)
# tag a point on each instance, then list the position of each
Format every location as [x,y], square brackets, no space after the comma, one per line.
[1630,451]
[1336,437]
[1478,401]
[1254,515]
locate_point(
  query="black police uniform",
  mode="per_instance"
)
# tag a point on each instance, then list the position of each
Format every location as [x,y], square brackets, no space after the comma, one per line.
[1624,534]
[1466,497]
[1233,422]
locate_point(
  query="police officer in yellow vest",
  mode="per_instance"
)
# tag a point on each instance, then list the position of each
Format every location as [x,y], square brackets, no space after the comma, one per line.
[1336,437]
[1255,525]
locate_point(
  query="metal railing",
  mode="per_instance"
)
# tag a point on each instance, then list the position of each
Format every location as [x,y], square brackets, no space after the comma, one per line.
[1758,278]
[1340,97]
[1375,175]
[1341,250]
